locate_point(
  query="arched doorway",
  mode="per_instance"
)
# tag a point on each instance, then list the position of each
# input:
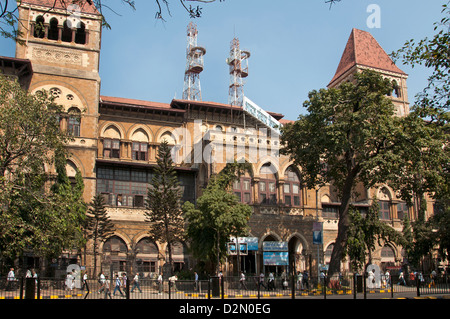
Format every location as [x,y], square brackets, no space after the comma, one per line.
[297,260]
[115,253]
[275,256]
[147,258]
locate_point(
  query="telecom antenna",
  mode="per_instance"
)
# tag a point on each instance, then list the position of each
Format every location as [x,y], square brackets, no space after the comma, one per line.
[238,62]
[194,66]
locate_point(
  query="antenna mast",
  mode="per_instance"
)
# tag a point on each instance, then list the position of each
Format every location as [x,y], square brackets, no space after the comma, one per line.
[238,62]
[194,66]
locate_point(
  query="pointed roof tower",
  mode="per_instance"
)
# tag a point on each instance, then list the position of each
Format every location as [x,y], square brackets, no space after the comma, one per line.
[362,50]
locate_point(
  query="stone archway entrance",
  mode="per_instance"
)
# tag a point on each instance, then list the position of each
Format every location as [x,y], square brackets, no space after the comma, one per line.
[297,260]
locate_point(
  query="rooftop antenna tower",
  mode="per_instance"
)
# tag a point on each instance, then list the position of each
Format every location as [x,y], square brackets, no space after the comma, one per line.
[238,62]
[194,66]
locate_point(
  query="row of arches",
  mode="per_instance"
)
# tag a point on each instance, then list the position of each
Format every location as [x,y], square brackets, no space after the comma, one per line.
[68,31]
[270,187]
[145,256]
[139,133]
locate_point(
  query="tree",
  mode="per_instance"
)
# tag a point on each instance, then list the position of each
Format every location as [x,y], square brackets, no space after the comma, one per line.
[67,202]
[99,226]
[350,136]
[431,109]
[32,215]
[164,213]
[216,217]
[365,232]
[9,12]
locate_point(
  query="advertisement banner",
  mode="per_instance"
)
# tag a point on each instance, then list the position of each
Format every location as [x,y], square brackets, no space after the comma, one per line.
[276,258]
[275,246]
[252,242]
[317,233]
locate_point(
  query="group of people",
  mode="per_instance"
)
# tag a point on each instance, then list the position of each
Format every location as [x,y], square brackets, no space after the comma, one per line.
[119,281]
[11,279]
[302,281]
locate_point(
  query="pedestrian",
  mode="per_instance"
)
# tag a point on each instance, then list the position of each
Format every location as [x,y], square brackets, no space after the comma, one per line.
[85,278]
[261,280]
[117,286]
[69,281]
[322,278]
[101,280]
[412,278]
[299,280]
[172,282]
[387,277]
[195,281]
[401,279]
[242,281]
[271,282]
[106,287]
[124,280]
[11,278]
[305,279]
[160,284]
[432,279]
[136,283]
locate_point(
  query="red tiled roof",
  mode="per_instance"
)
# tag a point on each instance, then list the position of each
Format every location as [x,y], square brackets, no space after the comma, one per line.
[85,6]
[205,103]
[133,102]
[363,50]
[221,105]
[284,121]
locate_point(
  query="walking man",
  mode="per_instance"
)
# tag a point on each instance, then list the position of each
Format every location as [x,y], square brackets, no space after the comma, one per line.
[117,286]
[136,283]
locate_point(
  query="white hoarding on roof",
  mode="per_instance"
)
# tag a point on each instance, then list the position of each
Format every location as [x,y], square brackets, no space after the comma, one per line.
[258,113]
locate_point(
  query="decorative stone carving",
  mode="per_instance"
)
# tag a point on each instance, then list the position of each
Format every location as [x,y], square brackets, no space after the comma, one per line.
[56,55]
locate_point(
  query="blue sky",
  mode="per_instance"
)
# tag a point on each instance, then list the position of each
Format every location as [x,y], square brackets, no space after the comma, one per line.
[295,47]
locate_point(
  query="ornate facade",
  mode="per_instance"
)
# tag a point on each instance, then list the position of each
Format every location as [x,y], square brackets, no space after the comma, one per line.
[116,142]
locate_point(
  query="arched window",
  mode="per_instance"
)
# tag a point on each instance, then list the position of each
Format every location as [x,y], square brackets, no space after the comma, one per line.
[291,187]
[385,210]
[268,185]
[115,244]
[74,122]
[179,254]
[80,34]
[140,145]
[39,28]
[147,256]
[397,90]
[53,32]
[242,188]
[111,143]
[66,33]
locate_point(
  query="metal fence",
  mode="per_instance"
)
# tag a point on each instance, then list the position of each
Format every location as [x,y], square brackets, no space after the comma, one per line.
[353,286]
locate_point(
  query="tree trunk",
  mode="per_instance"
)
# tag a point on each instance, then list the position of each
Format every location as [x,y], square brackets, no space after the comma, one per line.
[343,225]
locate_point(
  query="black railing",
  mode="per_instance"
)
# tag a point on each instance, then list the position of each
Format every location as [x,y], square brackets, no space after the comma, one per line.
[353,286]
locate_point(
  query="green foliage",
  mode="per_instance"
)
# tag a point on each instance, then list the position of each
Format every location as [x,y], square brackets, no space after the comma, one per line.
[217,216]
[429,169]
[348,130]
[349,136]
[365,232]
[34,216]
[164,214]
[98,226]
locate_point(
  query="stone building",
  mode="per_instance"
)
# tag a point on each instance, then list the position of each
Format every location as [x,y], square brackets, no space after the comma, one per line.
[116,141]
